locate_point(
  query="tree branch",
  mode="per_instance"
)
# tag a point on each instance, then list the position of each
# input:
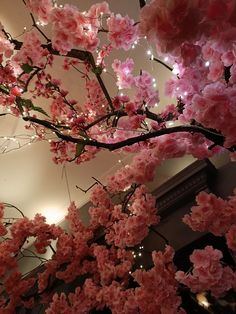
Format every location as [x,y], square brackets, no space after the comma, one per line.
[80,55]
[121,113]
[216,138]
[162,63]
[142,3]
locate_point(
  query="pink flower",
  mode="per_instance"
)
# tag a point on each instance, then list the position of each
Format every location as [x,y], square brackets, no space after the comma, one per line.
[72,29]
[169,23]
[211,214]
[6,47]
[31,51]
[122,31]
[41,8]
[158,287]
[231,237]
[123,71]
[208,274]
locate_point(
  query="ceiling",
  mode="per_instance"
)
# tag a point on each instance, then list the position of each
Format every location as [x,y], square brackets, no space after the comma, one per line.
[29,179]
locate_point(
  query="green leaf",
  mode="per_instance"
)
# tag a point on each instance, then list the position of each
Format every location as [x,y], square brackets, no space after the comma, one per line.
[39,109]
[28,104]
[20,104]
[27,68]
[4,89]
[79,149]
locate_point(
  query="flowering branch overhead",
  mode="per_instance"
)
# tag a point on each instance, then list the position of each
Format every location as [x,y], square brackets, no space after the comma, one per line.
[194,41]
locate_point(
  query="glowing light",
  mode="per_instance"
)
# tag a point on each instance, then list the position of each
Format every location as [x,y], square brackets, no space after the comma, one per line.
[175,71]
[53,214]
[202,300]
[166,59]
[170,123]
[207,63]
[149,52]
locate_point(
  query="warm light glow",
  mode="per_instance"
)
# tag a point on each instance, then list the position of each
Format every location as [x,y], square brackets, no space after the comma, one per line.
[202,300]
[170,123]
[53,215]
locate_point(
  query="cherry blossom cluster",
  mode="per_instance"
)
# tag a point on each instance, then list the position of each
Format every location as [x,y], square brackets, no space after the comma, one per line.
[197,40]
[208,274]
[215,215]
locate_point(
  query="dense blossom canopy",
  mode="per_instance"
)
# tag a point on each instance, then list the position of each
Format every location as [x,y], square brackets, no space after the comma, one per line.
[196,39]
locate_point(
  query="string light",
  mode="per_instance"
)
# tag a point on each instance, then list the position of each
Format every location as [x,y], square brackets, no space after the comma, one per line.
[207,63]
[202,300]
[170,123]
[175,71]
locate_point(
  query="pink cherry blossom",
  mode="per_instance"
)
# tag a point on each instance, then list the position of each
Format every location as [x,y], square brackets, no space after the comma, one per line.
[122,31]
[41,8]
[208,274]
[6,48]
[231,237]
[31,51]
[211,214]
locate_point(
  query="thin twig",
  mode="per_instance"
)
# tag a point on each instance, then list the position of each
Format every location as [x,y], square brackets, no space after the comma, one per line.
[85,191]
[210,135]
[10,205]
[163,63]
[142,3]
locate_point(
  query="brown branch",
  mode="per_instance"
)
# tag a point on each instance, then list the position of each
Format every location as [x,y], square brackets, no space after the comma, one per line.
[74,53]
[35,72]
[142,3]
[12,206]
[162,63]
[80,55]
[121,113]
[85,191]
[38,29]
[216,138]
[100,81]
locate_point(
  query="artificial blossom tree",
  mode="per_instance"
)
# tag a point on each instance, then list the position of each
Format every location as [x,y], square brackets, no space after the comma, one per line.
[194,39]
